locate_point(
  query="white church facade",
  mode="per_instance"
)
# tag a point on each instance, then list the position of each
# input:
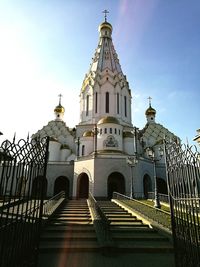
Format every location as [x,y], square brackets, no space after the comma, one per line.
[95,155]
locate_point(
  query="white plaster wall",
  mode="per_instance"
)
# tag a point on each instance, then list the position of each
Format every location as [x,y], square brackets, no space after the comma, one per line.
[129,146]
[102,137]
[54,151]
[143,167]
[103,168]
[56,169]
[64,154]
[88,143]
[83,166]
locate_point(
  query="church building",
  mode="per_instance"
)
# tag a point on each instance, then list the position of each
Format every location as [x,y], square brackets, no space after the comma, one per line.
[105,152]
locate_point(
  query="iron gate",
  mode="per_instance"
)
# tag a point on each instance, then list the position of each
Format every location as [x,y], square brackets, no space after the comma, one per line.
[22,190]
[183,172]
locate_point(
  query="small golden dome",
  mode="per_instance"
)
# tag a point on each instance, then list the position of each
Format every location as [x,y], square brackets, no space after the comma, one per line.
[105,24]
[59,109]
[128,134]
[108,119]
[88,134]
[150,111]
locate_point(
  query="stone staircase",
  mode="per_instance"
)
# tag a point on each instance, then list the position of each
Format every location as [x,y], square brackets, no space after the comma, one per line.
[69,240]
[69,233]
[130,234]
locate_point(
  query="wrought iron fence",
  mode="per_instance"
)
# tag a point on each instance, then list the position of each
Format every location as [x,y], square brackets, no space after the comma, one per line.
[183,173]
[162,197]
[22,191]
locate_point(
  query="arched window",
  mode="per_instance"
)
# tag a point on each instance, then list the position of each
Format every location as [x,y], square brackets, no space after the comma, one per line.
[96,102]
[107,102]
[83,150]
[125,106]
[87,105]
[117,103]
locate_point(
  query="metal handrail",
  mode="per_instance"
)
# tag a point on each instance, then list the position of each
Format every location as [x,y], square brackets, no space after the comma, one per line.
[52,204]
[101,223]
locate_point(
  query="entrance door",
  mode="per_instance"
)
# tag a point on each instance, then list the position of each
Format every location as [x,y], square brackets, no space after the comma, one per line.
[116,183]
[162,186]
[83,186]
[61,184]
[147,185]
[39,186]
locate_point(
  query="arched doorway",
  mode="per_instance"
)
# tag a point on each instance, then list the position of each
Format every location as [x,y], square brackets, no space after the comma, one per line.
[61,184]
[162,186]
[83,186]
[21,186]
[37,184]
[116,183]
[147,185]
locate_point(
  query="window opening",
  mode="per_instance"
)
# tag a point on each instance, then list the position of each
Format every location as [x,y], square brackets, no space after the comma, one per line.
[107,102]
[87,105]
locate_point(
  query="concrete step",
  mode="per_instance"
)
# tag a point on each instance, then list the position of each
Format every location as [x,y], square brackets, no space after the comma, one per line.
[114,215]
[124,219]
[72,212]
[68,235]
[141,237]
[69,217]
[70,240]
[71,228]
[96,259]
[135,229]
[68,246]
[127,223]
[113,210]
[70,222]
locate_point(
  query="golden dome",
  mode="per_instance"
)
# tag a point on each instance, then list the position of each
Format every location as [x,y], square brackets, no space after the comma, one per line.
[88,134]
[59,109]
[128,134]
[150,111]
[105,24]
[108,119]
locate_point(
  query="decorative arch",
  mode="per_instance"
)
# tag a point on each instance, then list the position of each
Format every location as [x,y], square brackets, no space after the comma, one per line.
[62,184]
[82,185]
[147,185]
[115,183]
[162,186]
[39,187]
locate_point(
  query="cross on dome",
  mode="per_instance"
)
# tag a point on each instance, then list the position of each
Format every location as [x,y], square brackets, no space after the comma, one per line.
[150,98]
[105,14]
[60,96]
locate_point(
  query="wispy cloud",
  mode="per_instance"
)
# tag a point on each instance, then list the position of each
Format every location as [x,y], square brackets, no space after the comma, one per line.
[172,94]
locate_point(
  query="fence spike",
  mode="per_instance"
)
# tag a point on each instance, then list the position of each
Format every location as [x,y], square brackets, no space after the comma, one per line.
[14,137]
[187,142]
[28,137]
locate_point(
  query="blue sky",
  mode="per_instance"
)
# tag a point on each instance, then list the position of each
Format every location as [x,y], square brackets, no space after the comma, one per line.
[46,48]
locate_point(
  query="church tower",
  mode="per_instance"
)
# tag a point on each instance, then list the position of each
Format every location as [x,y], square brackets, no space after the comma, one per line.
[105,90]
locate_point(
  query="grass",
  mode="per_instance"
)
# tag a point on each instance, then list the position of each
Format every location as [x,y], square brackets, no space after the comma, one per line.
[145,208]
[151,203]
